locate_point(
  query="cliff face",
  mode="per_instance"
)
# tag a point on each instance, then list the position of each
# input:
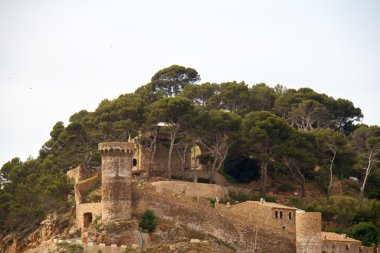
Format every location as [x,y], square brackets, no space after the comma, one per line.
[33,238]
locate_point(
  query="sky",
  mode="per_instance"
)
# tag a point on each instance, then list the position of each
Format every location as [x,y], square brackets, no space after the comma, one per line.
[59,57]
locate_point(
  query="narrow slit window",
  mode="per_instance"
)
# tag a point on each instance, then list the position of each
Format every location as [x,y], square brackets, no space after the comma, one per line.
[276,214]
[280,214]
[290,215]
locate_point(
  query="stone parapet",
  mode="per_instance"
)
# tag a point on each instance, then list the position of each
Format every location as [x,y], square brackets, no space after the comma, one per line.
[109,147]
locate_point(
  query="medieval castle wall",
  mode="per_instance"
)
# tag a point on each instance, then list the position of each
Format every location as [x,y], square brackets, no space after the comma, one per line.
[279,220]
[250,226]
[228,225]
[341,247]
[308,231]
[160,161]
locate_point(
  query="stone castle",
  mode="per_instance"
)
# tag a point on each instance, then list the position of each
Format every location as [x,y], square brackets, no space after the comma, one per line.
[251,226]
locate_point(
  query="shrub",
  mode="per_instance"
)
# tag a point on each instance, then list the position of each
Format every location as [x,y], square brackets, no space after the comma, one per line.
[239,197]
[365,232]
[148,221]
[296,202]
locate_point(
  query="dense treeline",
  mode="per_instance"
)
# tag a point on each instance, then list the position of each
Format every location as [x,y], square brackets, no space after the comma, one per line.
[252,130]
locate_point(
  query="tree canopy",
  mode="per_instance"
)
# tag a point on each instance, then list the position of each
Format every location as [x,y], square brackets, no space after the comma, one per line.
[295,134]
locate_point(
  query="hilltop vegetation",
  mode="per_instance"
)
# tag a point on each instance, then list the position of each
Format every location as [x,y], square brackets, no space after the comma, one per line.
[249,132]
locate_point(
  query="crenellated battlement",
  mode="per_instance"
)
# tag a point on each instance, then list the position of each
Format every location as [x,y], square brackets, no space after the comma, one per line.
[117,147]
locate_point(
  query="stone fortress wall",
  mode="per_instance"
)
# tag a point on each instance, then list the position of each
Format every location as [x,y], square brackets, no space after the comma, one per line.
[248,226]
[308,231]
[278,219]
[193,190]
[159,167]
[230,226]
[332,242]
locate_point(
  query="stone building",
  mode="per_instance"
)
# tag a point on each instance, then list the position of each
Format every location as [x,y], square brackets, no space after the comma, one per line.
[336,243]
[142,157]
[251,226]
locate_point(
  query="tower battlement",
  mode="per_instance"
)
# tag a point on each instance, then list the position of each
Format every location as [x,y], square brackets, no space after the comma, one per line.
[109,147]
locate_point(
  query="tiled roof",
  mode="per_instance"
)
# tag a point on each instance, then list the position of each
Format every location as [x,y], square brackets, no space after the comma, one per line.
[331,236]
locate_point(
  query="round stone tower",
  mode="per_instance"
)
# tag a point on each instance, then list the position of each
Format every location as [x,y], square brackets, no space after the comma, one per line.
[116,180]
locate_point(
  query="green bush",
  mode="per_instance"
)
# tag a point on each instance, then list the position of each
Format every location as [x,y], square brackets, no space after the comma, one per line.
[239,197]
[296,202]
[148,221]
[365,232]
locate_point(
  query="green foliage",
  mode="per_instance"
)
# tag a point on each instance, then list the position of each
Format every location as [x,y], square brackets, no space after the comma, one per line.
[173,79]
[345,211]
[365,232]
[148,221]
[296,202]
[241,197]
[233,119]
[93,194]
[35,188]
[70,248]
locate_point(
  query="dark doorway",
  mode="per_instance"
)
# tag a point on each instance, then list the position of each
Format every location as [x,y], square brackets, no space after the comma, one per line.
[87,219]
[134,162]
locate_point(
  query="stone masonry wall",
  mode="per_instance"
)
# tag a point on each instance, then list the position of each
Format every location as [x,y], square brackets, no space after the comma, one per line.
[94,208]
[192,189]
[80,173]
[221,222]
[264,217]
[344,247]
[82,187]
[308,231]
[161,160]
[116,180]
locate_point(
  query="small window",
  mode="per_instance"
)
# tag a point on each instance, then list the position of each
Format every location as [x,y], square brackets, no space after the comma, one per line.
[280,214]
[290,215]
[134,162]
[276,214]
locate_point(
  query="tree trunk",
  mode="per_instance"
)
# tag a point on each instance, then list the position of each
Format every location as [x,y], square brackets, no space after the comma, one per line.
[152,150]
[302,184]
[184,161]
[368,170]
[172,139]
[331,172]
[213,168]
[264,173]
[300,179]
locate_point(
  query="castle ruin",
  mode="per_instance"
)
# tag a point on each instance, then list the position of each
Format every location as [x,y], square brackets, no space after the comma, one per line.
[251,226]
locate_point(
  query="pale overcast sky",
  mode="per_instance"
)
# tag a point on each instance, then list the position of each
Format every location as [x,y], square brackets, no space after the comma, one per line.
[58,57]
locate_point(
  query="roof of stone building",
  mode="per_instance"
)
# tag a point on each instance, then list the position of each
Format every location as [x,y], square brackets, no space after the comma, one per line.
[331,236]
[267,204]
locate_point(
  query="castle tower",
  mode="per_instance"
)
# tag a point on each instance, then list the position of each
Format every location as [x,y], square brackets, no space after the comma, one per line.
[116,180]
[308,232]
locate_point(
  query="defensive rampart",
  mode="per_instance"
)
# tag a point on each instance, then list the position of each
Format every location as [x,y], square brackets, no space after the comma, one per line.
[221,222]
[192,189]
